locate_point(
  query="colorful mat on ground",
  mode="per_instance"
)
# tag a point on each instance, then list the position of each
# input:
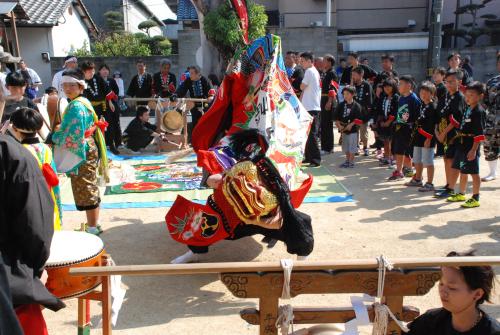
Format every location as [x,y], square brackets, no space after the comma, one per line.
[161,178]
[326,189]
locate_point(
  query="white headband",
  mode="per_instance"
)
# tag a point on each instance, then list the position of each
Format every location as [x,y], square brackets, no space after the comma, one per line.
[69,79]
[24,131]
[69,60]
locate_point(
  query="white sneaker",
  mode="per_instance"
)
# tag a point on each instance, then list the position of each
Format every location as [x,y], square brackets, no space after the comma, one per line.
[302,258]
[188,257]
[489,178]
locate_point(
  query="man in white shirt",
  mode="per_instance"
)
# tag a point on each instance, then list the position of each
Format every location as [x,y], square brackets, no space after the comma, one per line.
[32,78]
[70,63]
[311,99]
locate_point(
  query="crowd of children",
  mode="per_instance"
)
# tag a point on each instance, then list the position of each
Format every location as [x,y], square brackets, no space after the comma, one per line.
[411,121]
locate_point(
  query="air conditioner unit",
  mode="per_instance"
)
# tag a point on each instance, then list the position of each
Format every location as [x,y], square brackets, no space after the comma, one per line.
[316,24]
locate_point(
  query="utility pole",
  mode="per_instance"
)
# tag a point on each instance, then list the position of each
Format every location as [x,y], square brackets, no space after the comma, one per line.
[125,15]
[328,13]
[434,49]
[455,38]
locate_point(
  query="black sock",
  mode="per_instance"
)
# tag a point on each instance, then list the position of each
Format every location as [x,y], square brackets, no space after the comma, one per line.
[475,197]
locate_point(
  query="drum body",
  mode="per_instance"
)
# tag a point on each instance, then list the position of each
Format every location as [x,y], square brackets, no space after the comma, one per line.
[70,250]
[172,121]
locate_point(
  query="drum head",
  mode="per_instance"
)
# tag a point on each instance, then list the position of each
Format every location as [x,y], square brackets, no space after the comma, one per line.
[69,247]
[172,121]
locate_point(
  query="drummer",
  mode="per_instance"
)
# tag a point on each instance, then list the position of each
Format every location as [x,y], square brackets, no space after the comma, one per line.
[140,133]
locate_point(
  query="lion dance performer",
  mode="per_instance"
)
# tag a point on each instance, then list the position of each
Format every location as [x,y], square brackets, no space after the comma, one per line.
[251,143]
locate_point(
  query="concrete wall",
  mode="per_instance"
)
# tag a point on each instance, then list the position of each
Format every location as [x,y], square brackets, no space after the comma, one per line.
[32,42]
[353,15]
[399,41]
[189,43]
[126,65]
[414,62]
[320,40]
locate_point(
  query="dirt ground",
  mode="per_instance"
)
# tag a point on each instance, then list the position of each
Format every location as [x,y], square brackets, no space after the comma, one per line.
[385,218]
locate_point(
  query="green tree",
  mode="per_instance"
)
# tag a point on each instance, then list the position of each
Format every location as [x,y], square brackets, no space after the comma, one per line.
[83,51]
[473,31]
[222,28]
[114,21]
[147,26]
[125,44]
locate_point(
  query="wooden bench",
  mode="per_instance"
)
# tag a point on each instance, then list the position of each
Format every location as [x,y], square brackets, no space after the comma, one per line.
[264,280]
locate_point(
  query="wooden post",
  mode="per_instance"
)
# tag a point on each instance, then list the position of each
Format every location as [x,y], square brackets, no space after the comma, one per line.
[395,304]
[83,322]
[268,314]
[184,128]
[14,31]
[106,301]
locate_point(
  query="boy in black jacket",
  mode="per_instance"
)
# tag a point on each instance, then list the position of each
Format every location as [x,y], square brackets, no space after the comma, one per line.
[364,97]
[348,119]
[450,110]
[407,114]
[470,135]
[423,138]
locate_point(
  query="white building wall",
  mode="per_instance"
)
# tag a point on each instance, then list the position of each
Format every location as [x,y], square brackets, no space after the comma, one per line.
[71,33]
[408,41]
[132,19]
[32,42]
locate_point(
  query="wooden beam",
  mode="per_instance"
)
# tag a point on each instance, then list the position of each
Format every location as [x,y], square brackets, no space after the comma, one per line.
[163,99]
[397,283]
[259,267]
[14,31]
[315,315]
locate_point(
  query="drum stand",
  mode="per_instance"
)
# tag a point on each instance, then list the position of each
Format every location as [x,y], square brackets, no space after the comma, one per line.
[104,296]
[171,142]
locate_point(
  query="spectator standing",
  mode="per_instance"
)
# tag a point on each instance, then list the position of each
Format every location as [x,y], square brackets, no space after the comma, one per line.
[33,81]
[70,63]
[311,99]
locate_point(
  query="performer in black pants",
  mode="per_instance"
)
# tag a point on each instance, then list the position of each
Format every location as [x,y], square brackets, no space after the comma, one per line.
[199,88]
[329,88]
[101,97]
[115,131]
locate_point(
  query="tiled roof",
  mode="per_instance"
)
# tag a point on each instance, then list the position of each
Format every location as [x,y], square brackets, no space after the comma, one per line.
[186,11]
[44,12]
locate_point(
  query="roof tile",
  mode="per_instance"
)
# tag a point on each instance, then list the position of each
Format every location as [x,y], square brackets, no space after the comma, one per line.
[44,12]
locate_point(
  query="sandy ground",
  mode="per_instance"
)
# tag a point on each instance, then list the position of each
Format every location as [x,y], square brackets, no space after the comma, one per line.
[385,218]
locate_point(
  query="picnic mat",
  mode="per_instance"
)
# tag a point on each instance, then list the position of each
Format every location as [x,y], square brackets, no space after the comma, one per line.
[326,189]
